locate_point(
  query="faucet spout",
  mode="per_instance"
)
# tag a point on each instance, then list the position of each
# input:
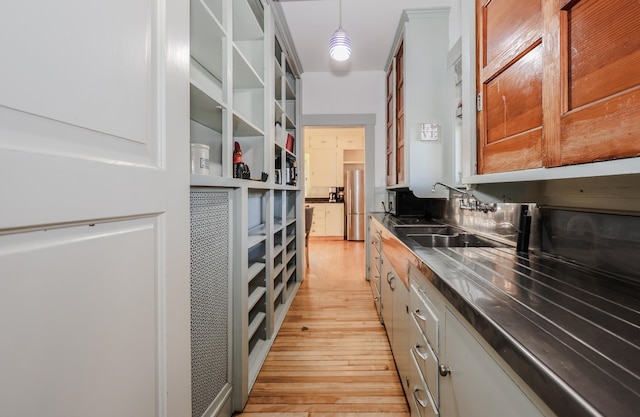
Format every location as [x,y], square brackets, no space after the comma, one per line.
[433,189]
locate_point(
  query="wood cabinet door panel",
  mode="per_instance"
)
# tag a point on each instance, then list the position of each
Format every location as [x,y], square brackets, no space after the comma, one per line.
[521,151]
[508,31]
[514,98]
[605,61]
[600,58]
[609,129]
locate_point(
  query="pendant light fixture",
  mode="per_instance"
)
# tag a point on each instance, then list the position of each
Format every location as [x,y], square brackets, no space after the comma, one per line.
[340,44]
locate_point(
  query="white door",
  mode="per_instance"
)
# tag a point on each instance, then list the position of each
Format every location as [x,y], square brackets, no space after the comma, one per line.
[94,226]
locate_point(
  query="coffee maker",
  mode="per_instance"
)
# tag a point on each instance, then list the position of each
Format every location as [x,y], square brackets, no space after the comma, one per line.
[333,194]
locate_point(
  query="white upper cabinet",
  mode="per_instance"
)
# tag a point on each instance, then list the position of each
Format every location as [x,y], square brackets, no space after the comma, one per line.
[420,126]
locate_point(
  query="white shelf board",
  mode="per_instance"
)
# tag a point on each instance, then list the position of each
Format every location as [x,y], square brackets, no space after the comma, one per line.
[204,81]
[244,76]
[277,225]
[198,180]
[205,110]
[290,124]
[244,128]
[215,6]
[253,240]
[290,221]
[277,290]
[206,40]
[277,249]
[279,111]
[254,270]
[290,256]
[255,324]
[255,297]
[290,93]
[278,268]
[290,273]
[245,25]
[279,314]
[256,357]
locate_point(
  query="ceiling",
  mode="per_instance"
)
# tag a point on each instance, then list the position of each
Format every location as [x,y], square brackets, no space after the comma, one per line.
[371,25]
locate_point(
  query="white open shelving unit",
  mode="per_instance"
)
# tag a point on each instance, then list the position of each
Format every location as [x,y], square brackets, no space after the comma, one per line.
[243,83]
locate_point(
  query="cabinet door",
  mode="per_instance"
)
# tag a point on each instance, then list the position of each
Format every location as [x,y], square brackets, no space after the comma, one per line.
[390,112]
[599,103]
[400,344]
[335,220]
[352,142]
[399,122]
[466,391]
[321,142]
[323,168]
[318,222]
[510,62]
[386,294]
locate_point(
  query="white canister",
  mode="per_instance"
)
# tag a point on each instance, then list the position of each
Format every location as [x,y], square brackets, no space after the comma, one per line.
[199,159]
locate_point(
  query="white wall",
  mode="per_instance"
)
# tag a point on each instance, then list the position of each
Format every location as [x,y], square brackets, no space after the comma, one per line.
[355,93]
[361,92]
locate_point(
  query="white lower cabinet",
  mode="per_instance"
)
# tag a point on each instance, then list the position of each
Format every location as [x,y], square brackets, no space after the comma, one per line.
[477,385]
[328,219]
[453,372]
[394,307]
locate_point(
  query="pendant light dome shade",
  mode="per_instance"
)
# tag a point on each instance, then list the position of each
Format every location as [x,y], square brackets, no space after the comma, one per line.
[340,45]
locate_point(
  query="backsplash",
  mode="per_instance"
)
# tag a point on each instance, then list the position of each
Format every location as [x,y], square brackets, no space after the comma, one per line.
[501,224]
[608,242]
[604,241]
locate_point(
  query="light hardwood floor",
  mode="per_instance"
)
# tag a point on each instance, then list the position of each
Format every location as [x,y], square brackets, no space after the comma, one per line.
[331,356]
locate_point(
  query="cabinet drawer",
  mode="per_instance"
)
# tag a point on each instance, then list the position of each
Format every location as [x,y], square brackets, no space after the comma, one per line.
[420,399]
[426,316]
[426,359]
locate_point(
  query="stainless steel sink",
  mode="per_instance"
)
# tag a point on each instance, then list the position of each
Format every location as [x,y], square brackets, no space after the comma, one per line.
[454,240]
[435,229]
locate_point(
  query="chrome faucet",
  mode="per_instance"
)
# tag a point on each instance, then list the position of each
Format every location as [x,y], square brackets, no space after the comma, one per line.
[433,189]
[469,201]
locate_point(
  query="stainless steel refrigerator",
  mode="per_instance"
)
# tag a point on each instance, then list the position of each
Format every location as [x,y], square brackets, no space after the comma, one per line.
[354,204]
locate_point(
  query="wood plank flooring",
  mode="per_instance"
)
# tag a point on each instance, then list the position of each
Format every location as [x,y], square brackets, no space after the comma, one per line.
[331,356]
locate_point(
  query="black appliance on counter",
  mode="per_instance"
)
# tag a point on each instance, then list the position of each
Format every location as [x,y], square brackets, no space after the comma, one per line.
[403,202]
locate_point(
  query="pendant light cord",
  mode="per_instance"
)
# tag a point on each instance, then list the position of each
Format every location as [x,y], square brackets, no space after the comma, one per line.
[339,14]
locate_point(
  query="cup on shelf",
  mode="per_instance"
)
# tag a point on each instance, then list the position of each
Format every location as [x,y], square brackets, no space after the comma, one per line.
[199,159]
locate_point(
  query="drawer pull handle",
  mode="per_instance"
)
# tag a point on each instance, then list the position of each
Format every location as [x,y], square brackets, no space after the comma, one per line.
[422,352]
[422,402]
[417,313]
[444,370]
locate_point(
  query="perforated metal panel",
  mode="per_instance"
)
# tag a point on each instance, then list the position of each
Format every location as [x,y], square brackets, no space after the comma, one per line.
[209,297]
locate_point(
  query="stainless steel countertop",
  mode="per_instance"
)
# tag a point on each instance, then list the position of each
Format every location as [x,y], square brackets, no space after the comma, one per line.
[571,333]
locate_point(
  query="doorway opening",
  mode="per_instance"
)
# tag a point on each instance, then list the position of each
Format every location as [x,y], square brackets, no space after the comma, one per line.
[334,180]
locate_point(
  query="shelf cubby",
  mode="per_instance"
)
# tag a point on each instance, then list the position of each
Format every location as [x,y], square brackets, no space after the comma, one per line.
[207,38]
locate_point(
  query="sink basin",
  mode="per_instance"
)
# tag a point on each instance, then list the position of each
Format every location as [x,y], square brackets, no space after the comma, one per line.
[435,229]
[454,240]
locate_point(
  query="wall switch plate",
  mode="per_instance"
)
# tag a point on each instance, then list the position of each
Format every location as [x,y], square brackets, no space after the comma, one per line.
[429,131]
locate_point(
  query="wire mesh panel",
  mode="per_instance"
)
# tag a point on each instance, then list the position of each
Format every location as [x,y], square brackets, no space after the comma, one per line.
[209,297]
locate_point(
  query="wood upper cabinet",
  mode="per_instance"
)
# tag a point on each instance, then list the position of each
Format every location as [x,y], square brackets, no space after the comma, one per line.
[599,82]
[391,134]
[510,82]
[560,82]
[400,115]
[418,87]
